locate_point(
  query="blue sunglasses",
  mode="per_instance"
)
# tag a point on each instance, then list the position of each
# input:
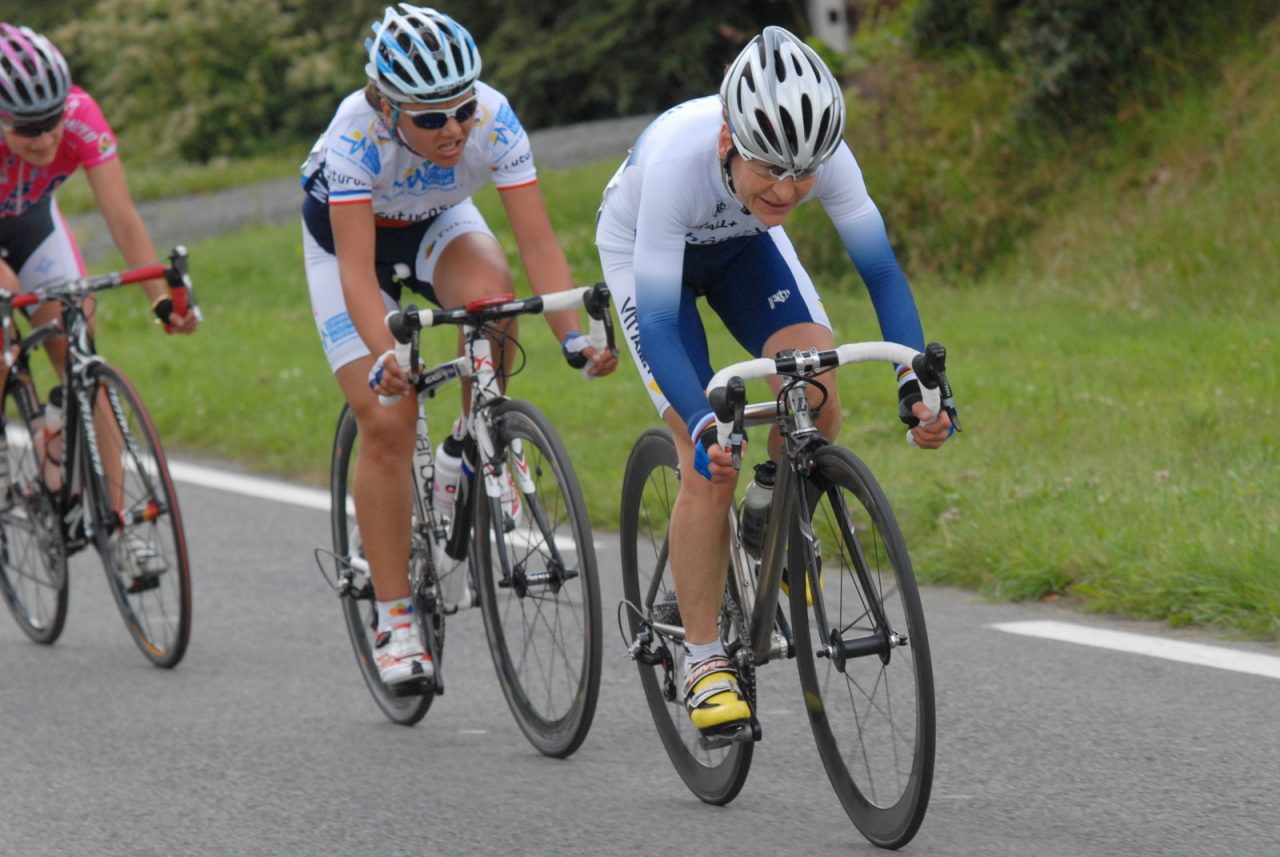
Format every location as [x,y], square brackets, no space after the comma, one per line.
[434,120]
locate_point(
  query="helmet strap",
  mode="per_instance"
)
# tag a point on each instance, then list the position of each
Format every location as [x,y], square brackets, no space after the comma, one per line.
[395,129]
[726,176]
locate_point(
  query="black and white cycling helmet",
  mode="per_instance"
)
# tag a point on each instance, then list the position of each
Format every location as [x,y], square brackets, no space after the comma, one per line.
[420,55]
[783,105]
[34,80]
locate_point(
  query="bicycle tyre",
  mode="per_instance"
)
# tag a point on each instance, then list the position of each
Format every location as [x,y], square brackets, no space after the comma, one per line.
[33,552]
[649,486]
[873,720]
[142,507]
[544,636]
[359,607]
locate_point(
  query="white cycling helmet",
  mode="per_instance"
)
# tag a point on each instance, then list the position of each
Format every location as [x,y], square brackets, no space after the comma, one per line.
[34,80]
[418,55]
[783,105]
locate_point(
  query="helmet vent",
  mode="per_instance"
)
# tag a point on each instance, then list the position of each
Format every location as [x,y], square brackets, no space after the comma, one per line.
[789,130]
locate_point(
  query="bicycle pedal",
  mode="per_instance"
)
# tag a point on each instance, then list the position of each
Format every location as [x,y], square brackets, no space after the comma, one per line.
[413,687]
[736,733]
[143,584]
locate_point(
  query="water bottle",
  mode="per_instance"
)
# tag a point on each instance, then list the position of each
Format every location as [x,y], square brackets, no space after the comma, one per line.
[51,434]
[755,508]
[448,475]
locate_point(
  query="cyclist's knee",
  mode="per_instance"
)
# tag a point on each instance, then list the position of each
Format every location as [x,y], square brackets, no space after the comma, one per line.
[385,434]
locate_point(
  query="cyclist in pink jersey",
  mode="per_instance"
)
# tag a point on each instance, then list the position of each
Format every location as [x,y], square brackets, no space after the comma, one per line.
[50,128]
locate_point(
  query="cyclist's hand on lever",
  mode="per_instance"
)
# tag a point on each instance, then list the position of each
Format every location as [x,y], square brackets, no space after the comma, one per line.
[389,376]
[172,299]
[595,360]
[595,352]
[710,459]
[928,430]
[931,430]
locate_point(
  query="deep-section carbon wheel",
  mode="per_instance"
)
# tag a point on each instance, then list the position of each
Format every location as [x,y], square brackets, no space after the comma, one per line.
[33,556]
[138,529]
[355,587]
[539,592]
[863,652]
[649,489]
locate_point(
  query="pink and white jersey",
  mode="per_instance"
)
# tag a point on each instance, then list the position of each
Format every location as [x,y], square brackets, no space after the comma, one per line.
[87,140]
[359,160]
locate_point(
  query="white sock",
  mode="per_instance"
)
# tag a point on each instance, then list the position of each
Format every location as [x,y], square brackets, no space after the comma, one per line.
[701,651]
[398,611]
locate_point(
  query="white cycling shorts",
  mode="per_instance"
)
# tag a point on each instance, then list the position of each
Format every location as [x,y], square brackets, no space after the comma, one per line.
[338,335]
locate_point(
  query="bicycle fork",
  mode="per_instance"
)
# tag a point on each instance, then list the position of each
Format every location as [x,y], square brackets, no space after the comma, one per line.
[883,639]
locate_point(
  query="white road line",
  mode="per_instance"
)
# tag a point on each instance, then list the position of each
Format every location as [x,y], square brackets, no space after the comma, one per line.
[281,492]
[1157,647]
[252,486]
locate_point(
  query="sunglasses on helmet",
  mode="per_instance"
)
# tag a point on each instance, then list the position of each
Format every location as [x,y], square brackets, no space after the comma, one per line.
[36,128]
[434,120]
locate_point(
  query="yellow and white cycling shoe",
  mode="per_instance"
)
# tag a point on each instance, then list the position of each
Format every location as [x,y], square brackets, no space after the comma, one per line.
[714,698]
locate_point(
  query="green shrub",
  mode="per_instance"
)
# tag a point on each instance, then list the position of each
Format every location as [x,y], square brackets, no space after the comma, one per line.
[209,78]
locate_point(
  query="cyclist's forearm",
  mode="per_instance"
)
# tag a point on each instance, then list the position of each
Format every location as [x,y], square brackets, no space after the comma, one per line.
[548,272]
[368,313]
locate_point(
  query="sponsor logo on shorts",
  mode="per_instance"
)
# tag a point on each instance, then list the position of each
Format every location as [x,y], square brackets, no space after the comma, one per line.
[337,329]
[779,297]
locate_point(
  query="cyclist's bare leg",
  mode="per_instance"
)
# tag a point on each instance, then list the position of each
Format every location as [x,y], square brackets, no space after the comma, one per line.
[699,533]
[474,266]
[699,541]
[382,490]
[804,337]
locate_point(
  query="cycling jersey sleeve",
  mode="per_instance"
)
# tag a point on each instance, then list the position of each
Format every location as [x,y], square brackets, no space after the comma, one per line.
[352,163]
[659,268]
[510,155]
[861,228]
[87,130]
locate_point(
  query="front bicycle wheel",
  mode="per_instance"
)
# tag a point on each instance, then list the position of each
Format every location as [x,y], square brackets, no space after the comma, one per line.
[355,586]
[540,595]
[137,523]
[649,487]
[33,555]
[863,655]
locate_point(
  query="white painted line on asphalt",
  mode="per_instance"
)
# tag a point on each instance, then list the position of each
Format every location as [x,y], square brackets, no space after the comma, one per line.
[1156,647]
[281,492]
[251,486]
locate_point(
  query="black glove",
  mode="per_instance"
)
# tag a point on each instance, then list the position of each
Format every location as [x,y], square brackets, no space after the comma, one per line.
[908,395]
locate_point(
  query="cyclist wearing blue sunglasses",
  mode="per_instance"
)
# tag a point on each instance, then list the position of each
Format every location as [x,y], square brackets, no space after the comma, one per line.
[388,206]
[696,211]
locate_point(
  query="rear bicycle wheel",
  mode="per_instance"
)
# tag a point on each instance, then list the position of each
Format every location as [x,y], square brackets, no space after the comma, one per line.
[355,586]
[649,487]
[138,524]
[33,554]
[863,655]
[539,590]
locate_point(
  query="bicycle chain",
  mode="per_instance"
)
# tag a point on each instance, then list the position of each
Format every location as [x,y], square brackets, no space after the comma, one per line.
[747,665]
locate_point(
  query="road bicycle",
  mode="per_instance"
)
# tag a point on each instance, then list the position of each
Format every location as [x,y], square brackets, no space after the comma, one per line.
[112,488]
[861,648]
[534,576]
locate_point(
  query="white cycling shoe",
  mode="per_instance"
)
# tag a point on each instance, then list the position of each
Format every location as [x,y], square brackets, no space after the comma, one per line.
[400,656]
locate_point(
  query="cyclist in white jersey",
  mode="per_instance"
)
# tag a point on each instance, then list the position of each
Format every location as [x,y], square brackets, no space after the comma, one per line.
[696,210]
[389,187]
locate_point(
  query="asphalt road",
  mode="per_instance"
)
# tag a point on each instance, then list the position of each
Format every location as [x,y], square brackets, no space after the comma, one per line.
[264,740]
[185,220]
